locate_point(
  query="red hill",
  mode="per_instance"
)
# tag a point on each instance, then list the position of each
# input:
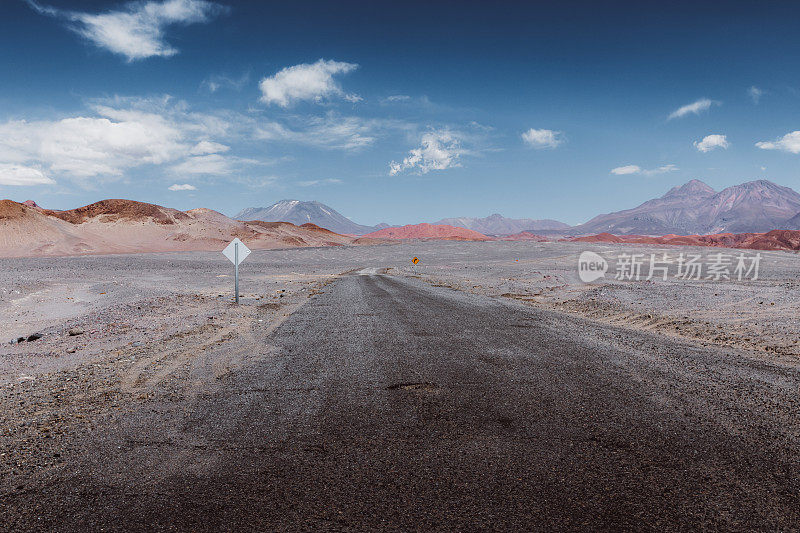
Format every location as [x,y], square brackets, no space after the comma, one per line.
[429,231]
[778,239]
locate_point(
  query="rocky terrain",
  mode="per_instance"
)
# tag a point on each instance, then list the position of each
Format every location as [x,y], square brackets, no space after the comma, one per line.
[524,236]
[125,226]
[116,335]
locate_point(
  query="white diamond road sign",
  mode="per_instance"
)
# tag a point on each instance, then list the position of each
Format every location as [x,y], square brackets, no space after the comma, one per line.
[230,251]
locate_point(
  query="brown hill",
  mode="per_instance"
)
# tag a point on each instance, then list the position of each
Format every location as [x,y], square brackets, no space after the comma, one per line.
[125,226]
[428,231]
[113,210]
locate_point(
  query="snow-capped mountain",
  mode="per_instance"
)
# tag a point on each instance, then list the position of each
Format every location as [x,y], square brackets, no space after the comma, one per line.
[298,213]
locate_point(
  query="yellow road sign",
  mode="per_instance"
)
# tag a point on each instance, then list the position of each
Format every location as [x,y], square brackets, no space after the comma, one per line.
[415,260]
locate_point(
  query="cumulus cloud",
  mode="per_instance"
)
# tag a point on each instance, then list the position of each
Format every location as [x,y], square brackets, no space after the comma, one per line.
[307,81]
[106,142]
[136,31]
[439,150]
[542,138]
[711,142]
[755,93]
[183,187]
[20,175]
[696,108]
[788,143]
[636,169]
[90,146]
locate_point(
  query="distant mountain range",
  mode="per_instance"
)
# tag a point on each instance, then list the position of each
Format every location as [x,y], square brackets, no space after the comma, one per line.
[690,209]
[697,209]
[499,225]
[298,213]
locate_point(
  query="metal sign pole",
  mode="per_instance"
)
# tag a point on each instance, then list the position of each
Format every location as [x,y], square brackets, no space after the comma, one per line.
[236,269]
[236,252]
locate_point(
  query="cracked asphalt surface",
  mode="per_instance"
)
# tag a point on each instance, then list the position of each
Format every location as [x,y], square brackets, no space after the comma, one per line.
[387,403]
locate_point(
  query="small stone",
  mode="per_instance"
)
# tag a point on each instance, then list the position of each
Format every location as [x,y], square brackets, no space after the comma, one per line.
[137,343]
[75,331]
[34,337]
[72,350]
[20,339]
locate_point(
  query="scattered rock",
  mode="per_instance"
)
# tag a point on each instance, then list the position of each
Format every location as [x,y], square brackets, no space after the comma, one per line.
[72,350]
[75,331]
[137,343]
[34,337]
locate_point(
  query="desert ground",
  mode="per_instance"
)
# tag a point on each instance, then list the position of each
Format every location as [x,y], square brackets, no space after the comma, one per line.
[150,392]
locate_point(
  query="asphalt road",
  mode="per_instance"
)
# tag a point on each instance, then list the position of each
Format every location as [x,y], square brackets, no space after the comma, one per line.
[387,403]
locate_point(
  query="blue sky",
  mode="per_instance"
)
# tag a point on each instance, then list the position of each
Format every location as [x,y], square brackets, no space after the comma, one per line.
[394,111]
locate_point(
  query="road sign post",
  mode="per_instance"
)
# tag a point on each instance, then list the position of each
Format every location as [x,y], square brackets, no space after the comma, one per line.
[236,252]
[236,270]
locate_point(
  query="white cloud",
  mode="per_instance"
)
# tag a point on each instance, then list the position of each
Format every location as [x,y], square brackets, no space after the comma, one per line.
[20,175]
[439,150]
[711,142]
[183,187]
[210,164]
[216,82]
[695,108]
[788,143]
[208,147]
[306,81]
[137,31]
[310,183]
[627,169]
[636,169]
[397,98]
[542,138]
[90,146]
[755,93]
[106,142]
[331,131]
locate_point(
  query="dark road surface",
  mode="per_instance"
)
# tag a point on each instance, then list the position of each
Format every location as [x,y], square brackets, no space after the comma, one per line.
[390,404]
